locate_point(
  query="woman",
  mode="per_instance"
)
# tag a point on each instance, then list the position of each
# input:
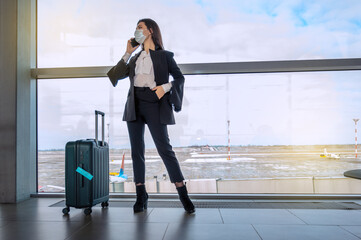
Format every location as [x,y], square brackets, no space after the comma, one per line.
[151,100]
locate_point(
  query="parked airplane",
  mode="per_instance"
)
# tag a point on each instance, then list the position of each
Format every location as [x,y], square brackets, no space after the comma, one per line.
[325,154]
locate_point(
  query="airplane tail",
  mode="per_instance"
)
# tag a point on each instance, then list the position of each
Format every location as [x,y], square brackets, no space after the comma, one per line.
[121,171]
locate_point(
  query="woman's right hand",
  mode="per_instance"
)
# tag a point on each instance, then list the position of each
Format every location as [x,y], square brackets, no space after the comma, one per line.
[131,49]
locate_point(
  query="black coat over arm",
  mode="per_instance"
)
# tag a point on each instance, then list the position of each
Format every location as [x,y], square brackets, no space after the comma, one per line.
[163,65]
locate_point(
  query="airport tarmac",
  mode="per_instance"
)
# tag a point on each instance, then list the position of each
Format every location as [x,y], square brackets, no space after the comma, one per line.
[246,162]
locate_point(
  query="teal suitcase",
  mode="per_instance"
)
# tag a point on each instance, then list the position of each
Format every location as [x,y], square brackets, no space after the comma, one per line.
[87,172]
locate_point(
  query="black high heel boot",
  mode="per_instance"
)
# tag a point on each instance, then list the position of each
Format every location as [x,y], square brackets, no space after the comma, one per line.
[184,198]
[142,199]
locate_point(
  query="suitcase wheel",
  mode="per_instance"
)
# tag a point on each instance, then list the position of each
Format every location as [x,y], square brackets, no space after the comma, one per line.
[87,211]
[105,204]
[66,210]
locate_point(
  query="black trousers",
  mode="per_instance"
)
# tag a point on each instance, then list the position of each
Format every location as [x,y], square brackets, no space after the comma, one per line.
[147,112]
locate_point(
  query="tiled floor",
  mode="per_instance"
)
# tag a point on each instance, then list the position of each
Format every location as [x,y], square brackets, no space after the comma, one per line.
[34,219]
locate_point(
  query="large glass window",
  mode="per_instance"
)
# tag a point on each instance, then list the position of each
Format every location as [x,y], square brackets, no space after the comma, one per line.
[280,126]
[89,33]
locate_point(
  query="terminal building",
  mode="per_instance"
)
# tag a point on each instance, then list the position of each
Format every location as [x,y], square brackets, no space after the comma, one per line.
[266,137]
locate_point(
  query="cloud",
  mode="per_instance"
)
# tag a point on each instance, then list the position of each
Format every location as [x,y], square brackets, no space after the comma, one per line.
[239,30]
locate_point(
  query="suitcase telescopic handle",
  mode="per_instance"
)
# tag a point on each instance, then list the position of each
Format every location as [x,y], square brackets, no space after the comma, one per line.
[96,126]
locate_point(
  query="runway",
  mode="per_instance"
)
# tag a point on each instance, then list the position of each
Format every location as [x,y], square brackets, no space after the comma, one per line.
[246,162]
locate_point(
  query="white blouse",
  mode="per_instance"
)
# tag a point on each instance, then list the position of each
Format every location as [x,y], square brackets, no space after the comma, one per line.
[144,72]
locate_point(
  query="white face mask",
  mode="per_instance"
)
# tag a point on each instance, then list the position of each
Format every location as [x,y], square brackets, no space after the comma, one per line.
[139,37]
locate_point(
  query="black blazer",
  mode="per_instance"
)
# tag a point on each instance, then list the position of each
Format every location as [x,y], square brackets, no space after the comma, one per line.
[163,65]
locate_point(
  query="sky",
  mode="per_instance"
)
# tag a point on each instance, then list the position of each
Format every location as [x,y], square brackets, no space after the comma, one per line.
[263,109]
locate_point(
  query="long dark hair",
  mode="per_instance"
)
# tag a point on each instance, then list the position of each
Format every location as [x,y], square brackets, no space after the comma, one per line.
[156,35]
